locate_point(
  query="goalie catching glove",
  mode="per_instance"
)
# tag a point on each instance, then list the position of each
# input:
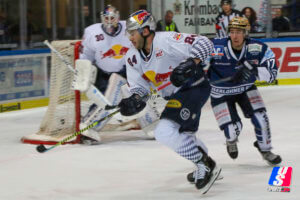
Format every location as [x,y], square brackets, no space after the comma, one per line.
[244,73]
[132,105]
[184,72]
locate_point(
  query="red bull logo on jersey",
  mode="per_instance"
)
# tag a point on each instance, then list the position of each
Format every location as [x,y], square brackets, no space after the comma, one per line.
[141,16]
[156,79]
[117,51]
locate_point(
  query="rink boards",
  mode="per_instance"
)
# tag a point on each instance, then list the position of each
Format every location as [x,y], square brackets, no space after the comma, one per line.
[24,74]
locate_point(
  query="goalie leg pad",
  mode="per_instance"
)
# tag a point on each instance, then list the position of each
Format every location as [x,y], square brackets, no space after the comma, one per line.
[113,92]
[151,116]
[97,97]
[112,97]
[97,115]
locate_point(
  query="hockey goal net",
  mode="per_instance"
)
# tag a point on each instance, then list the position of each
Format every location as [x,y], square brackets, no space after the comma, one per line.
[62,117]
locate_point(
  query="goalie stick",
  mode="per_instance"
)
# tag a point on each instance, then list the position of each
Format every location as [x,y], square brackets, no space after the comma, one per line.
[41,148]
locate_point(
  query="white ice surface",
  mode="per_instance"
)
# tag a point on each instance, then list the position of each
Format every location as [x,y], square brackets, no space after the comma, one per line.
[127,166]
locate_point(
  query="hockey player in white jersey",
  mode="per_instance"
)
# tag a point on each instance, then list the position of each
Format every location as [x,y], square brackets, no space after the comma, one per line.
[245,60]
[157,59]
[105,45]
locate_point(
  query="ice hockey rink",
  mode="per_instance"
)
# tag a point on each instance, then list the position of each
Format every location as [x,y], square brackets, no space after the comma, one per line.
[129,166]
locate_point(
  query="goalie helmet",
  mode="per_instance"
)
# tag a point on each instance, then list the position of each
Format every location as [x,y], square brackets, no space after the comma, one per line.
[110,18]
[239,23]
[139,20]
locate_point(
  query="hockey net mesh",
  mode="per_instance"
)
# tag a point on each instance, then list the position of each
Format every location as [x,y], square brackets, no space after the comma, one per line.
[60,118]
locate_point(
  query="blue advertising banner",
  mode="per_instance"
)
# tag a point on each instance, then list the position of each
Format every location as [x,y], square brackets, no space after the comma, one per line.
[23,76]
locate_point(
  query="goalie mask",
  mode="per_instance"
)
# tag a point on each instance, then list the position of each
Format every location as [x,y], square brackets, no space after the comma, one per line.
[139,20]
[110,19]
[239,23]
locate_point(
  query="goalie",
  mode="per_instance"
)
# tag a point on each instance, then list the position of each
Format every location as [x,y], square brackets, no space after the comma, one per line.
[104,45]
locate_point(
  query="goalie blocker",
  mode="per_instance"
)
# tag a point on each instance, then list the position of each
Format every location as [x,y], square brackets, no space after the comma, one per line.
[117,89]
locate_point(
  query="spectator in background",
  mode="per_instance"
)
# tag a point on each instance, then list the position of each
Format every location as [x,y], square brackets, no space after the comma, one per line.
[31,29]
[224,17]
[88,20]
[280,23]
[250,14]
[168,24]
[4,26]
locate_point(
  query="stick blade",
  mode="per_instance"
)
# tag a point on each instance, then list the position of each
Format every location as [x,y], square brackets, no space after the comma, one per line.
[41,148]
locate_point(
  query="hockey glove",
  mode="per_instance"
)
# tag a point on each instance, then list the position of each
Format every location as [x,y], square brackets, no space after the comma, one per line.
[183,72]
[244,73]
[132,105]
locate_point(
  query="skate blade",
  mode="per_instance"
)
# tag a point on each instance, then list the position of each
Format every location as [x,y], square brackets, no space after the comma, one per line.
[272,164]
[216,173]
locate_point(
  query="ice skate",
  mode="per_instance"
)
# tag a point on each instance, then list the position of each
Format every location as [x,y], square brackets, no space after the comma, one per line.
[232,149]
[205,175]
[211,164]
[270,157]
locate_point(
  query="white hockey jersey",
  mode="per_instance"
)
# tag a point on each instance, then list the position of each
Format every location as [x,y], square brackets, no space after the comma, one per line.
[168,50]
[106,51]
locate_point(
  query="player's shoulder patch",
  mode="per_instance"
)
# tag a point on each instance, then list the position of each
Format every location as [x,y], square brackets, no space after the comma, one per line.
[254,47]
[177,36]
[269,54]
[159,53]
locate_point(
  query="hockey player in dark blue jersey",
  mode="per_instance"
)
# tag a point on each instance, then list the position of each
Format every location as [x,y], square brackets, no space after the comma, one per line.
[245,60]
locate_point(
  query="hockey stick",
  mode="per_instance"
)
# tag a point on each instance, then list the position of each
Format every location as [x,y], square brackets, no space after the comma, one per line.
[222,80]
[69,65]
[41,148]
[60,56]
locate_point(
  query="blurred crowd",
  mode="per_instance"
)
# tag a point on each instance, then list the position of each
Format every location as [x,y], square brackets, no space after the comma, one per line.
[37,30]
